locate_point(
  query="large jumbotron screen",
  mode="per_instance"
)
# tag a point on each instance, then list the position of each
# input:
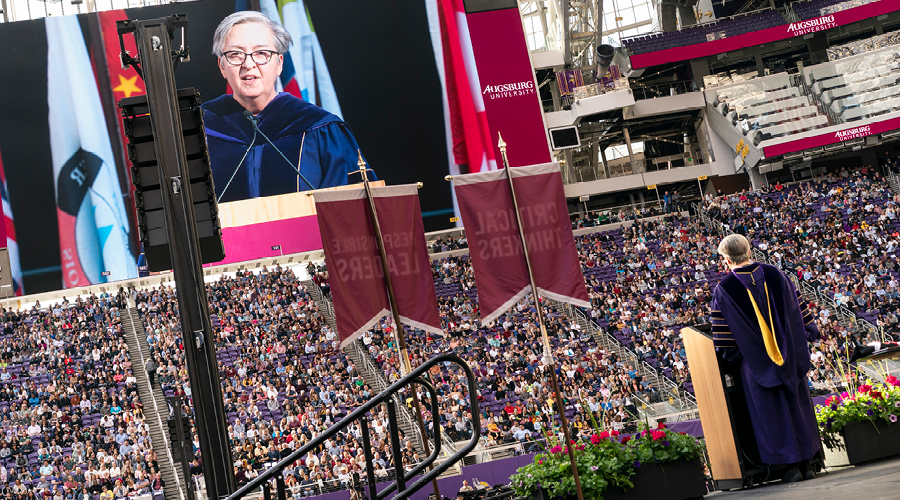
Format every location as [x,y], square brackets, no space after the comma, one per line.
[68,199]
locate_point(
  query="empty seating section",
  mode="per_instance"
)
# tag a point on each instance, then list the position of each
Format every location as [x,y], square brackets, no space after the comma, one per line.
[767,108]
[705,32]
[72,420]
[860,86]
[743,105]
[818,8]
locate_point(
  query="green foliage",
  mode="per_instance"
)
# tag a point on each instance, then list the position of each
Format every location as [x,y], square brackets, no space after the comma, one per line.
[603,462]
[600,464]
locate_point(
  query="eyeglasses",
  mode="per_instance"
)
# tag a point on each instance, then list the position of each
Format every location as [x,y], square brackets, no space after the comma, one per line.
[260,57]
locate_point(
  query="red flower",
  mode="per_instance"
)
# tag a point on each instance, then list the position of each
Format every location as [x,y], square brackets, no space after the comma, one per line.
[657,435]
[613,432]
[831,400]
[604,435]
[875,394]
[892,381]
[660,425]
[865,388]
[626,439]
[595,439]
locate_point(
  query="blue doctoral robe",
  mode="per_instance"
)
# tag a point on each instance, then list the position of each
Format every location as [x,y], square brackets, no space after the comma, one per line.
[329,153]
[778,397]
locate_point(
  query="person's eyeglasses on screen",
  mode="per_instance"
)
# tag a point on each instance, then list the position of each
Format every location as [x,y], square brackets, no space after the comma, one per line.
[260,57]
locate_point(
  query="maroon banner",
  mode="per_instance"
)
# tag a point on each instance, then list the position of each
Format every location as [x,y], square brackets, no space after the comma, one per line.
[355,273]
[832,137]
[752,39]
[501,274]
[400,217]
[548,233]
[486,210]
[508,88]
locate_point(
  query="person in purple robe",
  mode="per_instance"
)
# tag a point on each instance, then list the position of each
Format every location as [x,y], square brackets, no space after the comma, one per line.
[250,48]
[760,323]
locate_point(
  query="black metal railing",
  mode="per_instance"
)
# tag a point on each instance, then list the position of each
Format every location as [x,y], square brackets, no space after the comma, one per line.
[276,472]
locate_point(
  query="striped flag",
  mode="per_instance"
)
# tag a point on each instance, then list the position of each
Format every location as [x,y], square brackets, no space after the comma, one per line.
[93,223]
[9,227]
[468,120]
[305,74]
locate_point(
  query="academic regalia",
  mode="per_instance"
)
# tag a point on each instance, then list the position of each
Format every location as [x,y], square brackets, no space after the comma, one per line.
[773,372]
[329,150]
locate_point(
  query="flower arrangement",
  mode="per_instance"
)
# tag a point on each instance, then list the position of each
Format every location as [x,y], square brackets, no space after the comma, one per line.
[661,445]
[606,460]
[601,462]
[867,403]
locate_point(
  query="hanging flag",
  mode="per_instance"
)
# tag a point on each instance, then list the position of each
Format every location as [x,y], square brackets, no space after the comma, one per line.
[492,230]
[304,74]
[93,223]
[355,273]
[468,121]
[8,233]
[508,86]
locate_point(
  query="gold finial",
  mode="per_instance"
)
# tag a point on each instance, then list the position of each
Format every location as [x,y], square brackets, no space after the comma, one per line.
[419,185]
[361,163]
[448,178]
[500,143]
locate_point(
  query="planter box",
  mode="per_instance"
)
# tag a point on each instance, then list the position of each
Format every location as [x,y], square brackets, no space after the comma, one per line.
[863,442]
[678,480]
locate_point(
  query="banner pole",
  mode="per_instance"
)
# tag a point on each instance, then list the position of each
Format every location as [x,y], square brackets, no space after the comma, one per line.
[548,358]
[405,365]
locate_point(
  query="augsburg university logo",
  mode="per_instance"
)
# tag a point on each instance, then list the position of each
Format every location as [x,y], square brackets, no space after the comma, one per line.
[509,89]
[853,133]
[811,25]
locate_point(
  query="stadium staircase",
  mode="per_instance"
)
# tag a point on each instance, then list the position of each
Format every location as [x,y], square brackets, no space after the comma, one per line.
[374,377]
[156,411]
[893,182]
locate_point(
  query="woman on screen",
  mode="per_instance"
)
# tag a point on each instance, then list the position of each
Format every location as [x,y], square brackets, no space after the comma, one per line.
[292,134]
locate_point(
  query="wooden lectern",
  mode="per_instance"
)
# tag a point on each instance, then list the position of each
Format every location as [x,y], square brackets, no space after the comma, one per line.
[715,412]
[730,441]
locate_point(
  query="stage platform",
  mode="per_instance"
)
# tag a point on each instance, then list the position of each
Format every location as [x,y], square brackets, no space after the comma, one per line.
[875,481]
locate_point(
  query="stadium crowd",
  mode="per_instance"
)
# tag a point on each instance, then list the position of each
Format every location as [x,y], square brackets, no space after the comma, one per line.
[515,399]
[284,378]
[840,236]
[71,419]
[72,422]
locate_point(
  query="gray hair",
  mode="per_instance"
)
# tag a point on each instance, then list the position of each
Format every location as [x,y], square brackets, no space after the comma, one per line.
[283,39]
[736,248]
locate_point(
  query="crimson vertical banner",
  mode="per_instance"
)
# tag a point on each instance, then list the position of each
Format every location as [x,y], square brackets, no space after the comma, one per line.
[511,99]
[486,206]
[548,233]
[355,273]
[486,209]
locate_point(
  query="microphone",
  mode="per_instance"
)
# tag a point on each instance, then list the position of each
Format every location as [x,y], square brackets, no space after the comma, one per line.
[255,121]
[252,143]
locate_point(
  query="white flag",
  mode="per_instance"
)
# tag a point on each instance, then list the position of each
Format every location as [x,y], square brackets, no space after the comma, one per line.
[93,223]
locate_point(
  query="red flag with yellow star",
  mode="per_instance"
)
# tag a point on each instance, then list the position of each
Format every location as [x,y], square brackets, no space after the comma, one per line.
[124,82]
